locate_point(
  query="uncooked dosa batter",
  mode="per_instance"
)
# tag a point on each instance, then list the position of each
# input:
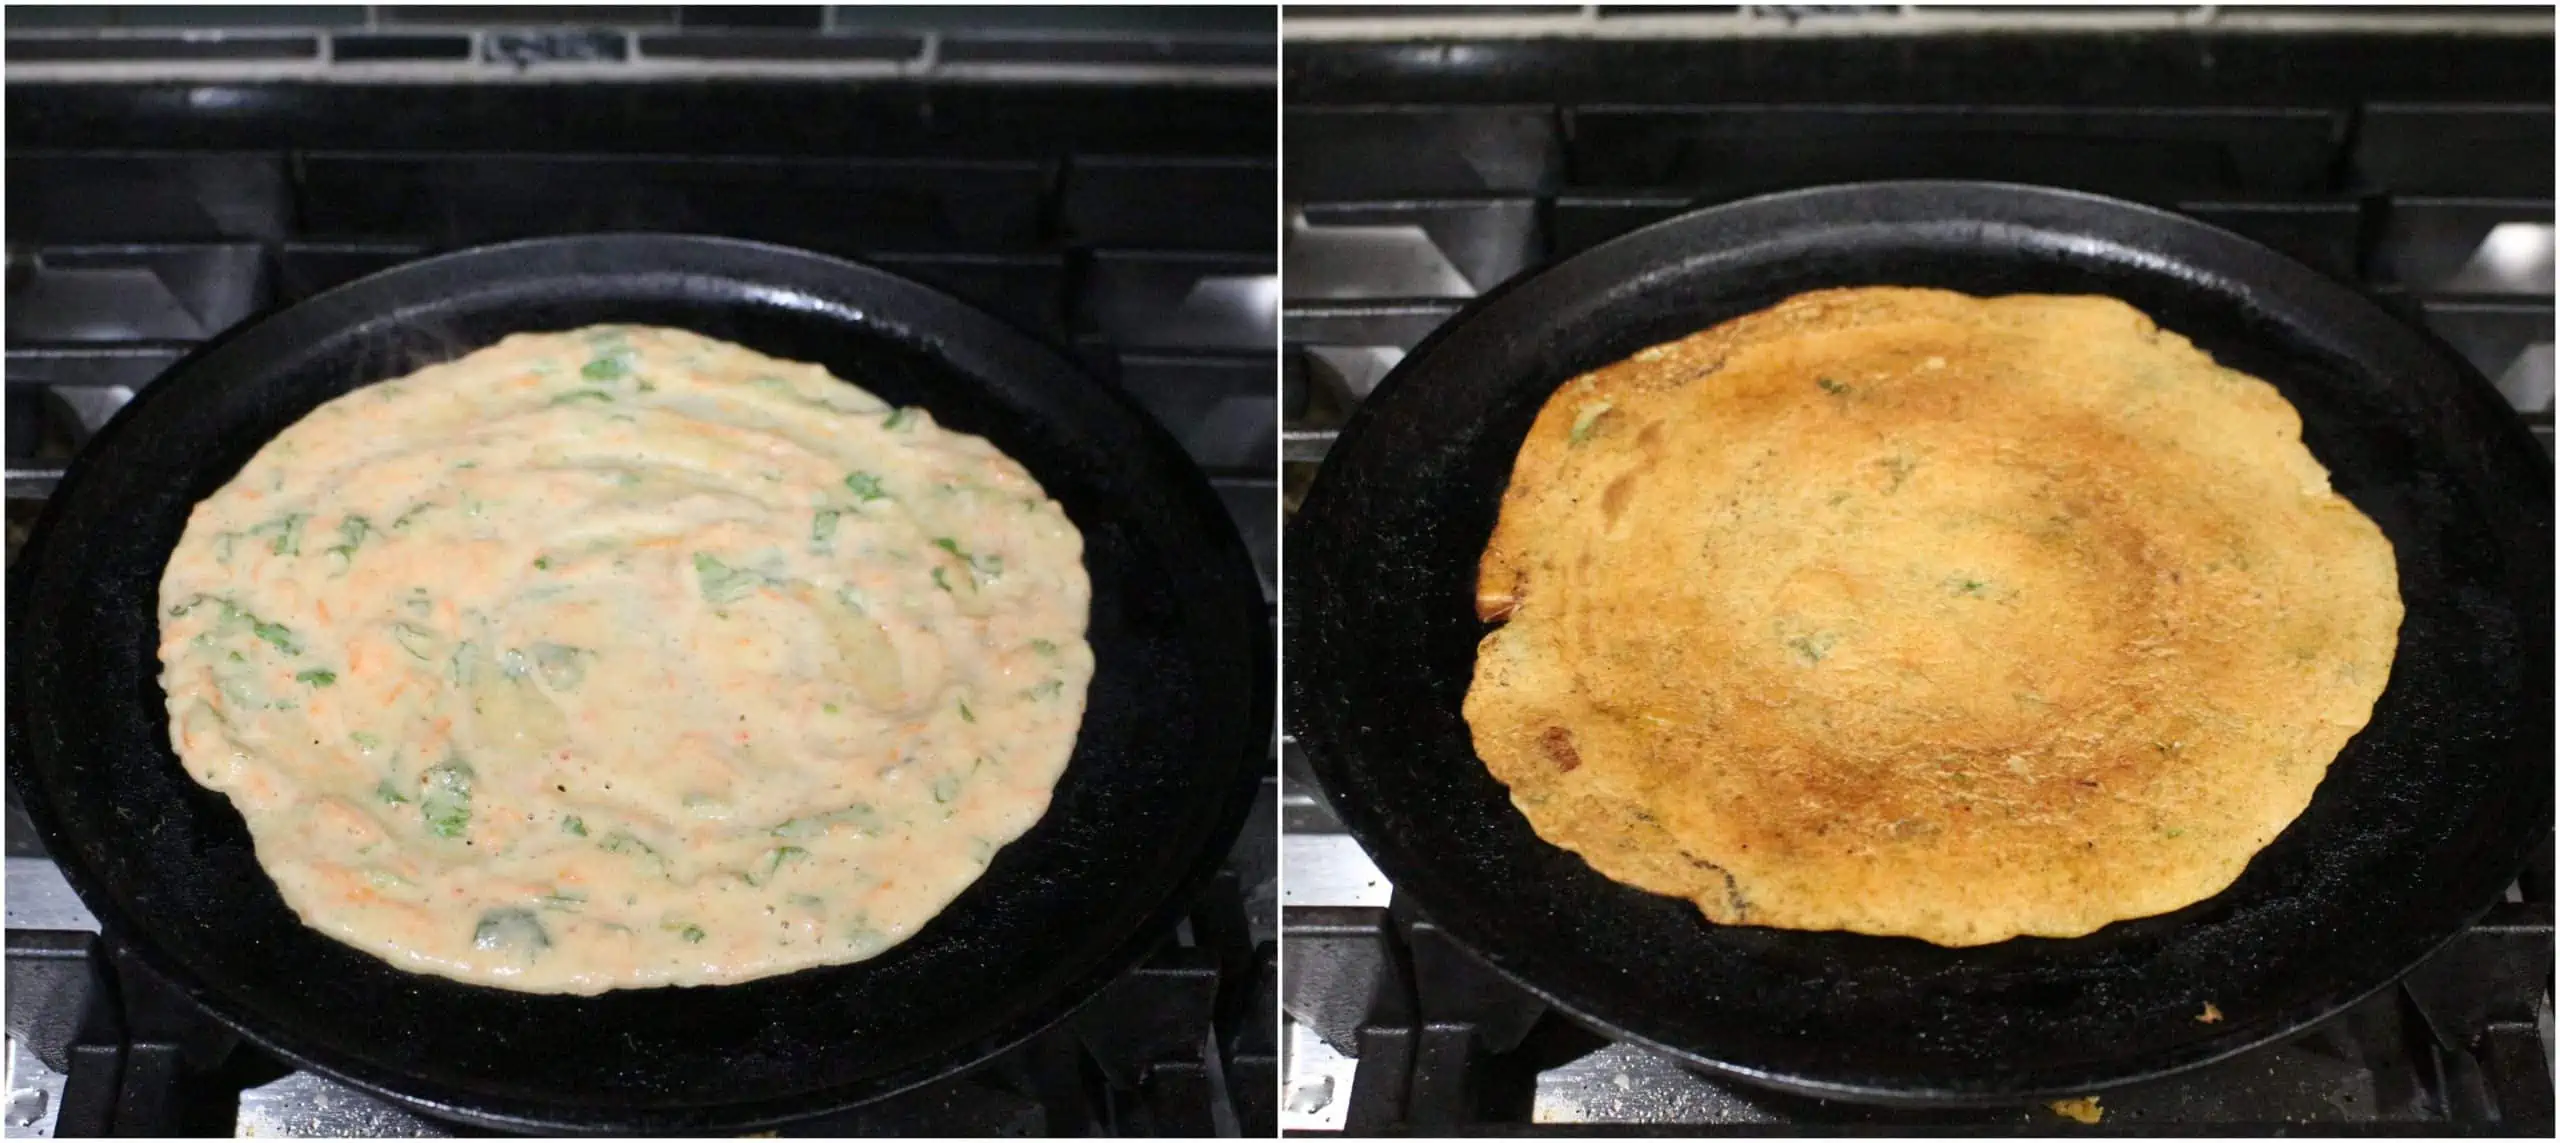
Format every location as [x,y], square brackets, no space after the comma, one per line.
[625,657]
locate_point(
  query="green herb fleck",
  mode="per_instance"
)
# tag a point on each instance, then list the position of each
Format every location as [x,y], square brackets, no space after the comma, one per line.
[822,527]
[351,535]
[365,740]
[2177,832]
[965,716]
[563,902]
[1044,646]
[946,788]
[1586,421]
[389,795]
[1832,387]
[446,808]
[574,396]
[417,641]
[622,842]
[866,487]
[1047,690]
[607,368]
[288,530]
[275,635]
[1812,648]
[861,817]
[722,583]
[317,677]
[691,933]
[542,563]
[832,708]
[897,419]
[573,825]
[774,860]
[940,581]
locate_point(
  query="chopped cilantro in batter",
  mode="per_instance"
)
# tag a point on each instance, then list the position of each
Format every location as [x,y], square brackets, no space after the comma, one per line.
[446,806]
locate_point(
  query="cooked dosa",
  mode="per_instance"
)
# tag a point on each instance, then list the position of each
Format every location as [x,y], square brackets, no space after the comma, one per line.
[1911,613]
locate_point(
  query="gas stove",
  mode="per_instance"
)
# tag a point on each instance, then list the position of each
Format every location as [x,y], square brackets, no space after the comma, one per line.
[1102,180]
[1429,156]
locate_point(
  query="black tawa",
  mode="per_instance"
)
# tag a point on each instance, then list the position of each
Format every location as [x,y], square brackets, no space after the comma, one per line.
[2421,824]
[1175,735]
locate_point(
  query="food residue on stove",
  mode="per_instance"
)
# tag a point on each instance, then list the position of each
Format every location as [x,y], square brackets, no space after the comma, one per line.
[2081,1110]
[2212,1015]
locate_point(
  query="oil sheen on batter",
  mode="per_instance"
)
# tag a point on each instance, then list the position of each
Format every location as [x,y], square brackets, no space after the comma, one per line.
[625,657]
[1910,613]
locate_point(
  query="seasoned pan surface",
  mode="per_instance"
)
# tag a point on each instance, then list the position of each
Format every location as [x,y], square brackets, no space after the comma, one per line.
[1175,734]
[2422,822]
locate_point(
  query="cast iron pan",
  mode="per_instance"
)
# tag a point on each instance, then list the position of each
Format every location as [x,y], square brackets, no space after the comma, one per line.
[2421,824]
[1174,737]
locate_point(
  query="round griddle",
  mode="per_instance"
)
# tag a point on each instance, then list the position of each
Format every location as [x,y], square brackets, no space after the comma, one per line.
[2422,822]
[1175,735]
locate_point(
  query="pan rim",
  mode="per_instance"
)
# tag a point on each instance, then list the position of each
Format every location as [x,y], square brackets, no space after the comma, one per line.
[993,338]
[1311,720]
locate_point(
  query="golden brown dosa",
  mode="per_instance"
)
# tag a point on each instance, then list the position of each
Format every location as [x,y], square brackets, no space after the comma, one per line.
[1911,613]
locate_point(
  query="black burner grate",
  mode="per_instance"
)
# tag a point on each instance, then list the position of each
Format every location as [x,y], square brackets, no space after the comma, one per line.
[2418,167]
[1445,1045]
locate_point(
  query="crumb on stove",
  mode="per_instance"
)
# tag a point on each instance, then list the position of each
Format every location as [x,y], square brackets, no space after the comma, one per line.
[2082,1110]
[2212,1015]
